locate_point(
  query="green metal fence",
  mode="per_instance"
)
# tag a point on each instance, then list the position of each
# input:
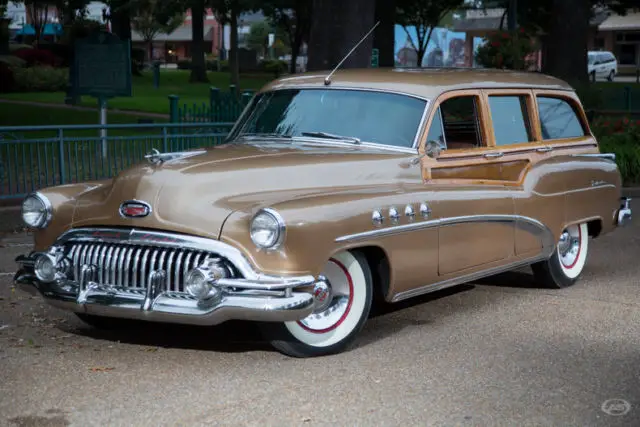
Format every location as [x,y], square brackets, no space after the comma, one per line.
[222,106]
[37,157]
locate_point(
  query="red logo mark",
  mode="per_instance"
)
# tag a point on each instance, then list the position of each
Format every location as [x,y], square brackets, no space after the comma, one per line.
[134,209]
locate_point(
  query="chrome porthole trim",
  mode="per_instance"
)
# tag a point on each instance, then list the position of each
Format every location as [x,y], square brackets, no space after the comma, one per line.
[409,212]
[425,210]
[377,218]
[394,215]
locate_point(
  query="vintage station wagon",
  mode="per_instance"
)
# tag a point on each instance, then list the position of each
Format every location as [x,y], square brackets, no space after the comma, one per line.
[332,193]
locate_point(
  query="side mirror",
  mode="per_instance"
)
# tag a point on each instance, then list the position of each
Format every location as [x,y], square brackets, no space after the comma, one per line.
[433,149]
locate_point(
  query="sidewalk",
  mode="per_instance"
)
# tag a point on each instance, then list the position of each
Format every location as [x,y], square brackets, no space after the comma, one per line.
[83,108]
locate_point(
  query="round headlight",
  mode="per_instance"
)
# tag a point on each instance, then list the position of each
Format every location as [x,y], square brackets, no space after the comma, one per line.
[36,211]
[45,268]
[267,229]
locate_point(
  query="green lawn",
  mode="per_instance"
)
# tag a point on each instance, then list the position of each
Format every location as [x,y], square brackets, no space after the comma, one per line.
[28,115]
[148,99]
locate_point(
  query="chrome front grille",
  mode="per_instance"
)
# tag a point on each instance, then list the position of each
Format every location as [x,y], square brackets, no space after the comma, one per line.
[130,266]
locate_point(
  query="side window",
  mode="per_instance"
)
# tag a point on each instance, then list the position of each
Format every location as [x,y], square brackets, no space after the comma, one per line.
[558,119]
[510,119]
[436,132]
[461,123]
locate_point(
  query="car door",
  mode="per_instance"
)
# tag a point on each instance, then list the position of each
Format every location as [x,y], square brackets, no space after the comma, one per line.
[471,202]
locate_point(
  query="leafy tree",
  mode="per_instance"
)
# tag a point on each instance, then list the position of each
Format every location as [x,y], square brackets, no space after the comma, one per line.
[259,37]
[156,17]
[4,28]
[227,13]
[562,26]
[336,28]
[292,16]
[39,12]
[198,63]
[424,15]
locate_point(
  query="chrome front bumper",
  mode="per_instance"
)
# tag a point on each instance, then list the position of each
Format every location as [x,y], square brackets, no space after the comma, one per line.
[253,296]
[624,213]
[170,307]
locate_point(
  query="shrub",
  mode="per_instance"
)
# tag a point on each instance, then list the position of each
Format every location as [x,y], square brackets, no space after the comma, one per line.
[624,128]
[508,50]
[184,64]
[276,66]
[627,151]
[14,47]
[34,57]
[7,80]
[60,51]
[12,61]
[41,79]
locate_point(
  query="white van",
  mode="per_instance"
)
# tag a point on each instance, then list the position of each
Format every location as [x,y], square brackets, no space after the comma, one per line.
[602,65]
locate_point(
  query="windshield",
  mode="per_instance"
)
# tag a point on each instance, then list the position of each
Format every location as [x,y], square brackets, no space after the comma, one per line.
[592,59]
[338,114]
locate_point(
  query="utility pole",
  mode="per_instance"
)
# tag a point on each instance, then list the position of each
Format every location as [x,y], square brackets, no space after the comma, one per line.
[512,14]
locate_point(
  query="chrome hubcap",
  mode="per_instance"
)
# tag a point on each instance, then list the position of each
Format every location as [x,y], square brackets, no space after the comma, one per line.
[333,299]
[569,246]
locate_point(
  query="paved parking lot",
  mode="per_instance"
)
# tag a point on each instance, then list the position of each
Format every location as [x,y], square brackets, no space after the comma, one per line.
[500,352]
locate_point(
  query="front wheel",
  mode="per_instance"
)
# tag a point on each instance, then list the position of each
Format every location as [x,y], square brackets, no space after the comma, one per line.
[342,308]
[568,260]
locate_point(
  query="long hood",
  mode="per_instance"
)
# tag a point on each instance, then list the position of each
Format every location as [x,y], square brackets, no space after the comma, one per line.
[195,194]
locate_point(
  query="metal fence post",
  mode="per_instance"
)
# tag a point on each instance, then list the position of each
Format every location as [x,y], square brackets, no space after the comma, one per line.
[173,109]
[233,90]
[627,98]
[165,140]
[61,164]
[214,103]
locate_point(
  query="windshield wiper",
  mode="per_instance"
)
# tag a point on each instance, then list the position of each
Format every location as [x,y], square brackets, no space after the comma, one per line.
[264,135]
[332,136]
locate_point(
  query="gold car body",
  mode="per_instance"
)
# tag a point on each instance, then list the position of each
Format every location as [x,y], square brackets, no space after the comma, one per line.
[440,220]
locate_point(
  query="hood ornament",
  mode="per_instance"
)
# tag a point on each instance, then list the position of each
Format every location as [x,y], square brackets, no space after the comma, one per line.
[134,209]
[155,157]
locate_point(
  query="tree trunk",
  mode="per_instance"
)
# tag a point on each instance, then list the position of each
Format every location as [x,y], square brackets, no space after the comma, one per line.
[4,36]
[198,64]
[384,34]
[234,67]
[150,47]
[121,26]
[566,55]
[336,28]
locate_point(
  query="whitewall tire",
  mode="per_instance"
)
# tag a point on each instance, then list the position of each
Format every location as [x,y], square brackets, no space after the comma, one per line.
[568,260]
[342,309]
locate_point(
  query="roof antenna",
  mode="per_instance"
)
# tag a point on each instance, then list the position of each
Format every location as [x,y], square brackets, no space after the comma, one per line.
[327,80]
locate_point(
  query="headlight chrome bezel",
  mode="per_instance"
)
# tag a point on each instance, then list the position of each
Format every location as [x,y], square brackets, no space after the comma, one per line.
[47,210]
[280,229]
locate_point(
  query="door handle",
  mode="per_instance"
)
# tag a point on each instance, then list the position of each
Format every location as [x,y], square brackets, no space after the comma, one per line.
[544,149]
[493,155]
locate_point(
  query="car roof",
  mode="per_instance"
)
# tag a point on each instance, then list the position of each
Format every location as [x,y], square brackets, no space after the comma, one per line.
[423,82]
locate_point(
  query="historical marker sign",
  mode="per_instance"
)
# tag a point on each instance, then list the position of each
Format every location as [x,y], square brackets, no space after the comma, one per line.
[102,66]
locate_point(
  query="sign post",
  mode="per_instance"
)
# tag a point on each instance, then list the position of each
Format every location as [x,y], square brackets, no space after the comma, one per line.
[102,69]
[375,55]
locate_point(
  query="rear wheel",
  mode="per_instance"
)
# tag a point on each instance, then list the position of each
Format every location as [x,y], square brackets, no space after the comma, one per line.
[342,308]
[568,260]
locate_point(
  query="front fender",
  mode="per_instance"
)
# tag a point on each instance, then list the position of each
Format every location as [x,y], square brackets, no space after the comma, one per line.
[313,225]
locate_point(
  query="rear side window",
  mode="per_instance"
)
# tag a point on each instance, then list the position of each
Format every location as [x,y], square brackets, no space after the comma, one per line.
[558,119]
[510,119]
